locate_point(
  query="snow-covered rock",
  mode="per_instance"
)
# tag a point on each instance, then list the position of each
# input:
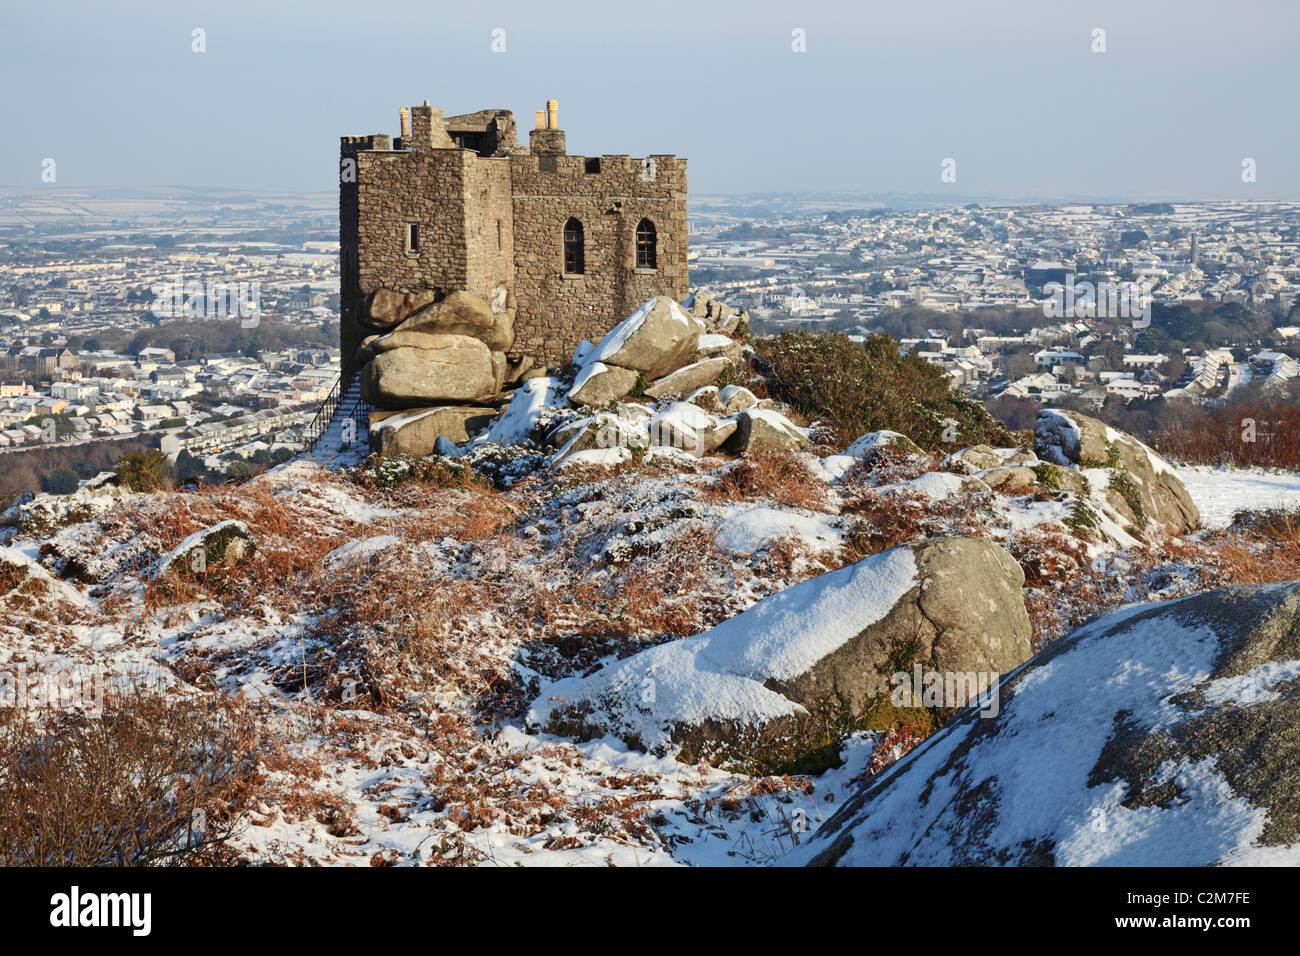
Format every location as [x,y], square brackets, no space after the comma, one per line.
[43,513]
[688,378]
[983,457]
[688,427]
[591,457]
[657,338]
[869,446]
[708,397]
[604,431]
[599,384]
[1143,487]
[755,529]
[718,346]
[527,411]
[938,484]
[764,681]
[227,543]
[1009,479]
[833,467]
[16,568]
[583,353]
[719,315]
[734,398]
[1159,734]
[764,431]
[628,412]
[416,432]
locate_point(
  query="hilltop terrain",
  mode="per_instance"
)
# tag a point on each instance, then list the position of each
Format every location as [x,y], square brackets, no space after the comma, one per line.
[667,629]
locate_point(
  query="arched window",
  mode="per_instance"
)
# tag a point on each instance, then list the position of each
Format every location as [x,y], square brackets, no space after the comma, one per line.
[646,257]
[574,261]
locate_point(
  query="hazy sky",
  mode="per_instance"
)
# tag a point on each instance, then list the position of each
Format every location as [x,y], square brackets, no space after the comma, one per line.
[884,92]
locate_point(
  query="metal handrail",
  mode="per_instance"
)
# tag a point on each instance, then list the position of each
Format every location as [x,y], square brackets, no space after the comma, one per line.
[317,427]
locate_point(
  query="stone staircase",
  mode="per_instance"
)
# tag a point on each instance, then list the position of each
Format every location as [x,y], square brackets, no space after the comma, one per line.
[343,437]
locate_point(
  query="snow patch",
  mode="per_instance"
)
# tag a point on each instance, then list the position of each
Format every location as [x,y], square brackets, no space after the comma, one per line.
[758,528]
[513,426]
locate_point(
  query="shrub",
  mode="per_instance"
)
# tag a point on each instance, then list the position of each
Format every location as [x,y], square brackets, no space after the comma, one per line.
[11,575]
[434,471]
[730,376]
[1082,519]
[781,477]
[143,471]
[1048,475]
[62,481]
[155,780]
[1121,481]
[856,389]
[1260,432]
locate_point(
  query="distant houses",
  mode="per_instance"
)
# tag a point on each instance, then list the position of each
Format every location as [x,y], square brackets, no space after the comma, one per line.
[110,396]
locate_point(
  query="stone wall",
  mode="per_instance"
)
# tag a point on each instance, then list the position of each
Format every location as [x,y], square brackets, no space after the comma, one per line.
[351,296]
[609,196]
[397,189]
[489,227]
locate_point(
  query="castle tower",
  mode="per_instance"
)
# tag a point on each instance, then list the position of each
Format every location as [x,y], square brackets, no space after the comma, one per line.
[573,243]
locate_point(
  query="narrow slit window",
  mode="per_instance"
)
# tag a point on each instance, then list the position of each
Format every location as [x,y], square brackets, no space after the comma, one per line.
[412,237]
[574,259]
[646,239]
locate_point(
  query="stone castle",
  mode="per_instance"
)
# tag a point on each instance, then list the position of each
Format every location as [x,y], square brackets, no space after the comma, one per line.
[563,246]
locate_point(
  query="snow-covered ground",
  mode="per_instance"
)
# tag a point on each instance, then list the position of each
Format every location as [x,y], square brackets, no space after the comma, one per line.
[462,603]
[1219,493]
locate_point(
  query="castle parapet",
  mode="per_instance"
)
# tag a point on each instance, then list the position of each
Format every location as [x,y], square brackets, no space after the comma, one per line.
[372,141]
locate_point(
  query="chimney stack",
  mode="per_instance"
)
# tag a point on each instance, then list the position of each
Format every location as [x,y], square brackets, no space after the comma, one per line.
[405,114]
[547,139]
